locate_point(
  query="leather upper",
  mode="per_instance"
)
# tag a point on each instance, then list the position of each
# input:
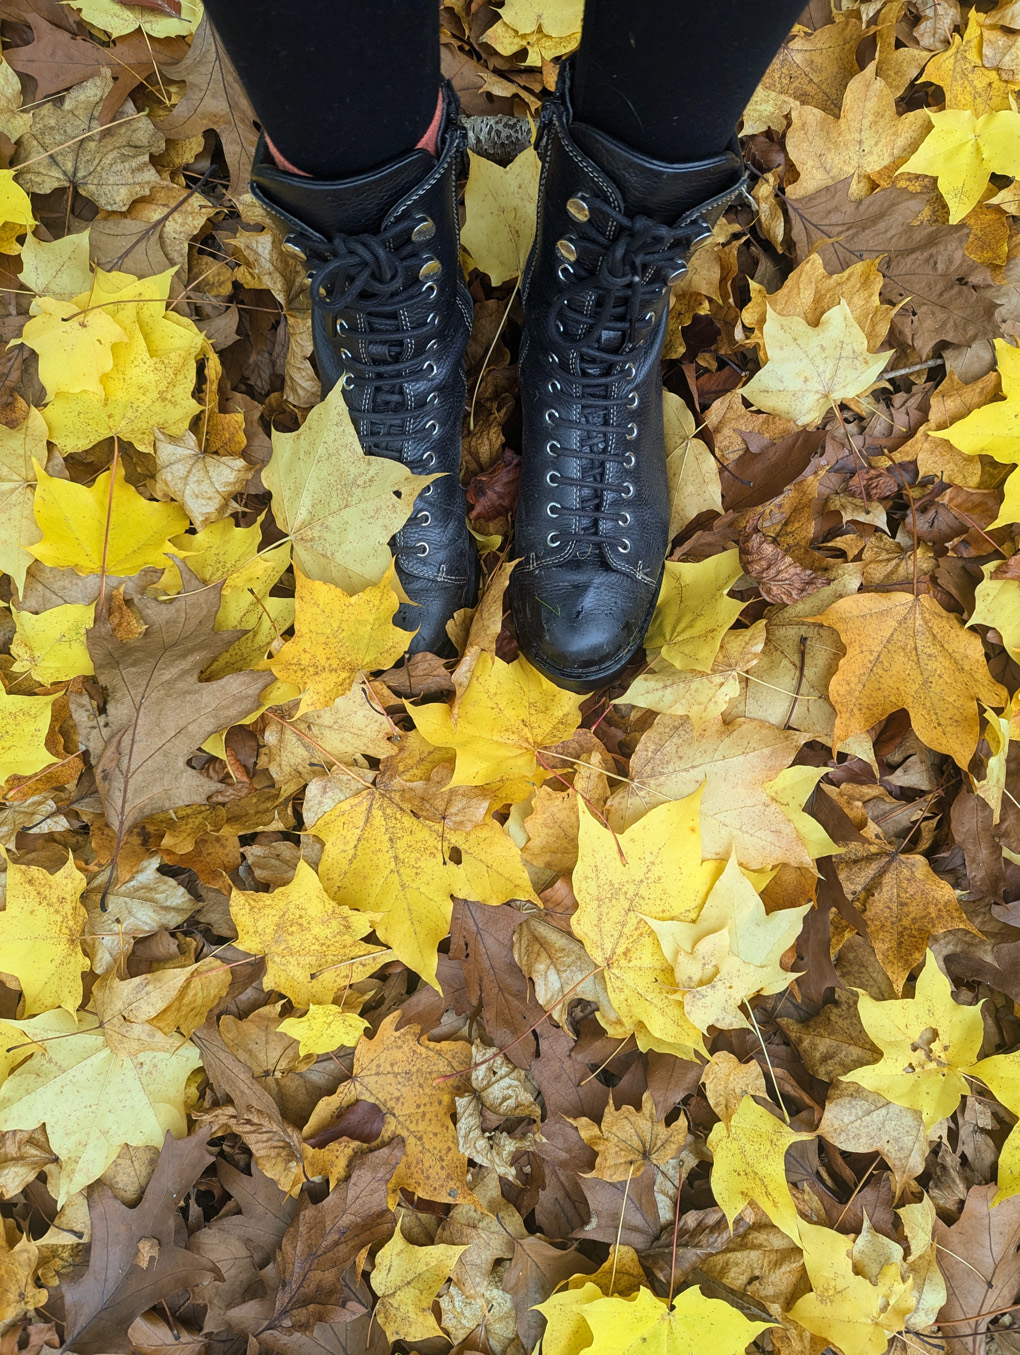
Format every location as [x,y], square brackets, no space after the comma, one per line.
[614,233]
[391,317]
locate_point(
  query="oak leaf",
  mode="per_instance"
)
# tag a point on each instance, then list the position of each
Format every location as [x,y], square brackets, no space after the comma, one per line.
[141,739]
[40,935]
[904,652]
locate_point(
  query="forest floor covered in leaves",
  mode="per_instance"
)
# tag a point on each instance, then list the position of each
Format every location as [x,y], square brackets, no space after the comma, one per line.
[351,1004]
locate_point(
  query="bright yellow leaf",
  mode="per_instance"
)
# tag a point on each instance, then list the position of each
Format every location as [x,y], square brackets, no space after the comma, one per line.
[547,28]
[693,612]
[51,645]
[499,213]
[643,1324]
[993,429]
[24,724]
[653,870]
[406,1279]
[749,1163]
[324,1028]
[338,637]
[963,150]
[40,935]
[498,724]
[87,527]
[15,212]
[314,947]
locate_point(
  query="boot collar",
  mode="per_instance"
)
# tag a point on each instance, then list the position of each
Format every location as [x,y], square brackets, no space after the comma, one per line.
[365,203]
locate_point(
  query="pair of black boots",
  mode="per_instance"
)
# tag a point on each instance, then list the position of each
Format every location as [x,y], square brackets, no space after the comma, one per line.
[391,318]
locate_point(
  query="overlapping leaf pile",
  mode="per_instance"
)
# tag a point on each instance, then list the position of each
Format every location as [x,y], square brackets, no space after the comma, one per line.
[350,1004]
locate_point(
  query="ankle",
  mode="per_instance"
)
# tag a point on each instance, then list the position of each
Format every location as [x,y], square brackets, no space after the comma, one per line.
[282,162]
[430,141]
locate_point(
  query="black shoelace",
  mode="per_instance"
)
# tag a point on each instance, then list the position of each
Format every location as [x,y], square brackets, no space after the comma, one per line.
[595,328]
[376,277]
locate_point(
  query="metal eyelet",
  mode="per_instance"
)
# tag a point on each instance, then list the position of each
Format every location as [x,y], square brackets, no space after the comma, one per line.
[624,547]
[341,323]
[431,268]
[430,369]
[630,371]
[554,359]
[429,488]
[346,381]
[632,432]
[425,229]
[628,487]
[432,318]
[433,398]
[633,400]
[345,353]
[550,445]
[551,414]
[564,272]
[432,427]
[649,316]
[432,345]
[624,520]
[567,249]
[578,209]
[425,518]
[431,290]
[629,461]
[550,541]
[554,386]
[429,458]
[290,246]
[424,548]
[549,509]
[559,327]
[677,275]
[549,478]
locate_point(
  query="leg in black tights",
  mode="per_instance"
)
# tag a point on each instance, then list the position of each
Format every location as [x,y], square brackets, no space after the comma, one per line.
[670,78]
[339,86]
[342,86]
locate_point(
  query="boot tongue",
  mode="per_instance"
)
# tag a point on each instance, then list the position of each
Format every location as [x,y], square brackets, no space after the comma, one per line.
[661,191]
[345,206]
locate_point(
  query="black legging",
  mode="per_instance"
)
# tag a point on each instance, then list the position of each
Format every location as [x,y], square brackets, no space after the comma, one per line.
[343,86]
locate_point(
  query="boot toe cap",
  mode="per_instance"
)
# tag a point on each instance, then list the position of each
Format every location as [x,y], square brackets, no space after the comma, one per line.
[581,634]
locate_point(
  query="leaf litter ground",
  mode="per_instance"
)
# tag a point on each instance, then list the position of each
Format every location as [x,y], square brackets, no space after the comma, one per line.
[354,1004]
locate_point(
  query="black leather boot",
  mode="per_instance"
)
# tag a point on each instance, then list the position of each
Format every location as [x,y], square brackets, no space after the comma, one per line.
[390,321]
[615,231]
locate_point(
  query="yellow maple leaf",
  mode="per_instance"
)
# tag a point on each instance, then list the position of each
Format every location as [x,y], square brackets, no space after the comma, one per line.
[905,653]
[748,1163]
[628,1139]
[24,724]
[118,20]
[337,637]
[642,1323]
[313,946]
[406,1279]
[20,449]
[339,505]
[810,368]
[324,1028]
[546,28]
[654,869]
[962,151]
[414,1082]
[116,361]
[382,854]
[40,935]
[499,213]
[967,82]
[15,212]
[693,611]
[730,952]
[19,1292]
[867,136]
[853,1311]
[51,645]
[92,1100]
[89,527]
[505,714]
